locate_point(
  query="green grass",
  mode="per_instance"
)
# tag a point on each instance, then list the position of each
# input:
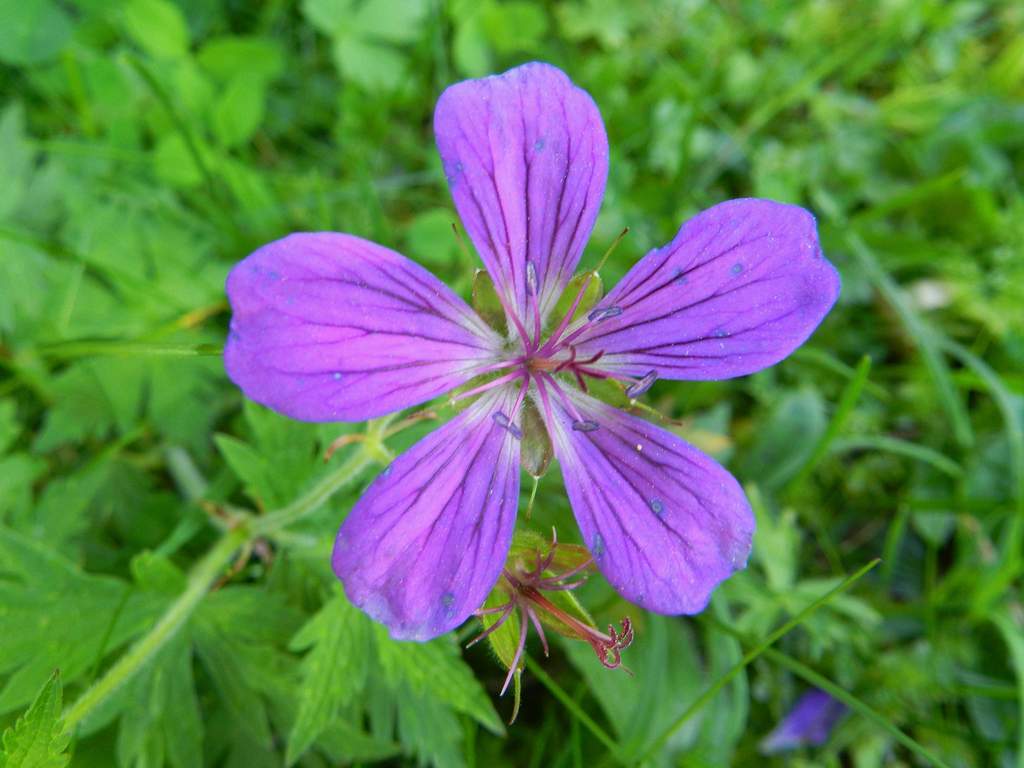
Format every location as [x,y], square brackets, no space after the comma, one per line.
[165,546]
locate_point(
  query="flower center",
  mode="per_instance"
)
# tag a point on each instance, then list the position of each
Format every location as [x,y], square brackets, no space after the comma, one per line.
[539,361]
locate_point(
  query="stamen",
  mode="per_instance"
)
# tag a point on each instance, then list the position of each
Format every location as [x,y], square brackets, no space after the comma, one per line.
[634,391]
[566,403]
[597,315]
[486,386]
[611,248]
[531,297]
[503,421]
[552,342]
[545,402]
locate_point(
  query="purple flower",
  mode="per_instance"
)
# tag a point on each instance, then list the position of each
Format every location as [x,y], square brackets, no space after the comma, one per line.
[330,327]
[809,723]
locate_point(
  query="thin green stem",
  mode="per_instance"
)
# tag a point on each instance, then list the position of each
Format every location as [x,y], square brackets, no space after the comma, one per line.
[854,703]
[926,342]
[847,402]
[202,575]
[115,348]
[210,567]
[316,496]
[749,657]
[574,708]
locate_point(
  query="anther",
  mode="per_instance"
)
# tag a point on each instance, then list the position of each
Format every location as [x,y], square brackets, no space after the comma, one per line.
[584,425]
[636,389]
[503,421]
[598,315]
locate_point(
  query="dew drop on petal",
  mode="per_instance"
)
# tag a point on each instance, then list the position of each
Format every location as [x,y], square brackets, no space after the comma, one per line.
[679,276]
[538,144]
[657,507]
[448,601]
[737,268]
[336,376]
[597,546]
[585,425]
[720,333]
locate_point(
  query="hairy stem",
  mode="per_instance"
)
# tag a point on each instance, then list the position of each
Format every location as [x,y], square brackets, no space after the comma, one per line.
[202,575]
[210,567]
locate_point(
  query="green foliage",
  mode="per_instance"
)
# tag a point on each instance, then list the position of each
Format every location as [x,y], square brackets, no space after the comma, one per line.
[38,740]
[147,145]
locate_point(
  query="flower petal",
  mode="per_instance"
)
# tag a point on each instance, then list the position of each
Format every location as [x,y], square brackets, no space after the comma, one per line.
[330,327]
[740,287]
[664,522]
[810,722]
[526,158]
[423,547]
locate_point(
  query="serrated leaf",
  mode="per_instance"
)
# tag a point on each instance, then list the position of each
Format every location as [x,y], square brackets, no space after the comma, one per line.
[333,671]
[37,740]
[437,670]
[431,732]
[79,620]
[240,634]
[161,714]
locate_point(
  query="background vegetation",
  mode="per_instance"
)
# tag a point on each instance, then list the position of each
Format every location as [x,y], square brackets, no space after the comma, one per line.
[146,145]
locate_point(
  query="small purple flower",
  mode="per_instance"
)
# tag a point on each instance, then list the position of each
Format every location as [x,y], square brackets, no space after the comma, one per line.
[330,327]
[809,723]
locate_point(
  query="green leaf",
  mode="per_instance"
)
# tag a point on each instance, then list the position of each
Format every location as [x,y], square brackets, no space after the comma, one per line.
[161,714]
[436,670]
[76,627]
[32,31]
[334,670]
[239,110]
[233,56]
[667,674]
[371,65]
[158,26]
[786,440]
[16,156]
[37,739]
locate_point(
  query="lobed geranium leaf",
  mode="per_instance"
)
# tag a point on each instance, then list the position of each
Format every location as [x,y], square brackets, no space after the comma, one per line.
[334,670]
[37,739]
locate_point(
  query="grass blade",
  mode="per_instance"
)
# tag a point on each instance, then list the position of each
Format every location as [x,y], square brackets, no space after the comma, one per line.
[906,448]
[923,338]
[751,655]
[847,402]
[820,681]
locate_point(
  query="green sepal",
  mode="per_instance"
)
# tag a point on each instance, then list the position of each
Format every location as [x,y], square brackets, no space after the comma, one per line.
[593,294]
[486,301]
[536,451]
[526,545]
[504,641]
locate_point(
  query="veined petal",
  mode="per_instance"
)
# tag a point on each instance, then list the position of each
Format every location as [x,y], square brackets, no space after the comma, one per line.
[740,287]
[664,522]
[423,547]
[331,327]
[526,158]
